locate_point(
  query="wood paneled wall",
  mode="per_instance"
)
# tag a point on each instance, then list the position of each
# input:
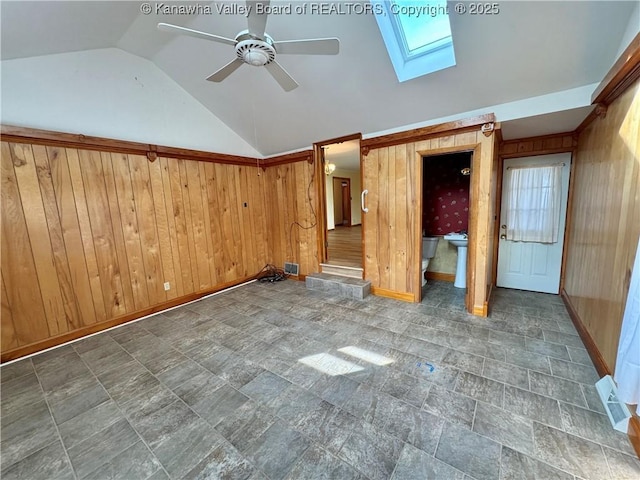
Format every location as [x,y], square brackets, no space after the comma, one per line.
[89,237]
[292,215]
[393,176]
[605,221]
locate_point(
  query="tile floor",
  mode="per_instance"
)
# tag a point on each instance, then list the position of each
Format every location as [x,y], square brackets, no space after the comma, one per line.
[277,382]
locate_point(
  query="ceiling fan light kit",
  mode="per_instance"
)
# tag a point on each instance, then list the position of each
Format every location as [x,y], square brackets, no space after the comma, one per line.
[256,48]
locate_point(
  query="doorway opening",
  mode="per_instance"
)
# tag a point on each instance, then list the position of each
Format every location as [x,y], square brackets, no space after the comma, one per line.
[446,183]
[342,239]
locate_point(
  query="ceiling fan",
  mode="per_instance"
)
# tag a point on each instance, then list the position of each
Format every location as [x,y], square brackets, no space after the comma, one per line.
[255,47]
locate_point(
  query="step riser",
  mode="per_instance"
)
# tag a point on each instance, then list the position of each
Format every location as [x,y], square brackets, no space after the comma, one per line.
[348,272]
[338,287]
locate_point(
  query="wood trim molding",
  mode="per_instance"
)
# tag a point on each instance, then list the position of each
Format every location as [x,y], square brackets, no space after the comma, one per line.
[14,134]
[344,138]
[587,339]
[602,368]
[303,156]
[621,76]
[541,145]
[98,327]
[418,134]
[444,277]
[482,311]
[9,133]
[383,292]
[634,433]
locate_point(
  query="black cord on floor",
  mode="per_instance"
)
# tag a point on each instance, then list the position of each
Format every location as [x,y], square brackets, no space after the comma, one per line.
[271,273]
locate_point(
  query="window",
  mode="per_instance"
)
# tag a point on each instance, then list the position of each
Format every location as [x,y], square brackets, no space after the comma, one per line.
[417,36]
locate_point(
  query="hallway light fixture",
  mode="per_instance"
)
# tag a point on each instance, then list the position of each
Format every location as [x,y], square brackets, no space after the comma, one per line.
[329,168]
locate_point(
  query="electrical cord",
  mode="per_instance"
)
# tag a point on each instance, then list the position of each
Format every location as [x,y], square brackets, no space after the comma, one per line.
[271,273]
[313,212]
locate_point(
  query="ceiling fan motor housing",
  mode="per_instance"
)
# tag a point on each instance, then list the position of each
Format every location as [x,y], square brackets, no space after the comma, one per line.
[255,51]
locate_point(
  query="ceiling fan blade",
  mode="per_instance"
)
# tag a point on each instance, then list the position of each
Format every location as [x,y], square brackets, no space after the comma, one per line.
[317,46]
[282,77]
[257,22]
[225,71]
[165,27]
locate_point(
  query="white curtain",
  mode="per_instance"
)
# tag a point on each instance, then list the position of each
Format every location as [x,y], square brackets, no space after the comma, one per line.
[627,374]
[533,195]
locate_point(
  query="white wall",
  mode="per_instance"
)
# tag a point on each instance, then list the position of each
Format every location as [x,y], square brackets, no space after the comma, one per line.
[356,213]
[633,27]
[111,93]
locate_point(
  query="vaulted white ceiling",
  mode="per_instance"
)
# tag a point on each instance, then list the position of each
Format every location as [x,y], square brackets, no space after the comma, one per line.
[529,49]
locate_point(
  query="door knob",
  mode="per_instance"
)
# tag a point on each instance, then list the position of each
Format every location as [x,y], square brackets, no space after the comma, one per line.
[504,227]
[503,237]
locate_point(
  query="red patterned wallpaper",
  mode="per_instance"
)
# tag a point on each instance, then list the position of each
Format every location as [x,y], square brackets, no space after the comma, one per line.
[445,194]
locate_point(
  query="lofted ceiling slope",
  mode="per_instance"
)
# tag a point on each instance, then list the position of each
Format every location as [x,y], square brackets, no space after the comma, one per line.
[530,48]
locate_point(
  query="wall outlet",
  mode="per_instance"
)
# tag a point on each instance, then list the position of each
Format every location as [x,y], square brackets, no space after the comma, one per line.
[167,286]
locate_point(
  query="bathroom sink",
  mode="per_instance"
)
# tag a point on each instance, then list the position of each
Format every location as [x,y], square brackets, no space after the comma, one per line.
[460,240]
[457,239]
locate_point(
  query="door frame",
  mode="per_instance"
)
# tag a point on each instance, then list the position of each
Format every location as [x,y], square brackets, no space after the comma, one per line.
[318,157]
[474,151]
[348,180]
[498,207]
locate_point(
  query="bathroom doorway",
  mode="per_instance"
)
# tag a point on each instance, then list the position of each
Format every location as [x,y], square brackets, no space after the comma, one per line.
[446,181]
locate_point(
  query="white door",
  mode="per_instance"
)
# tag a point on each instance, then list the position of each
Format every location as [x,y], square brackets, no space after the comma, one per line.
[531,265]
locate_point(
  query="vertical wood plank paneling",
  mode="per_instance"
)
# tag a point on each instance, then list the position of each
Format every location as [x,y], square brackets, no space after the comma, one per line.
[18,267]
[412,219]
[9,334]
[258,215]
[206,215]
[116,222]
[188,223]
[171,226]
[102,233]
[393,230]
[239,216]
[228,244]
[400,283]
[58,249]
[75,173]
[105,230]
[131,233]
[31,198]
[181,232]
[215,225]
[393,227]
[162,227]
[199,242]
[145,208]
[604,222]
[72,235]
[382,213]
[370,176]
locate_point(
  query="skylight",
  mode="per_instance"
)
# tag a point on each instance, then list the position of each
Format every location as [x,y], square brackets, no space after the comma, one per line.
[417,35]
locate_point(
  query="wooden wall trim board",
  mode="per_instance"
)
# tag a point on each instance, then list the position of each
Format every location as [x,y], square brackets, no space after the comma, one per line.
[601,365]
[425,133]
[303,156]
[384,292]
[114,322]
[444,277]
[621,76]
[541,145]
[35,136]
[587,339]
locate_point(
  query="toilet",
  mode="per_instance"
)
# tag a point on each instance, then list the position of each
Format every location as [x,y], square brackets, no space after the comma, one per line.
[429,245]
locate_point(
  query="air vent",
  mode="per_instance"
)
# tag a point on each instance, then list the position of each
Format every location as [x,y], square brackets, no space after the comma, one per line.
[617,411]
[291,268]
